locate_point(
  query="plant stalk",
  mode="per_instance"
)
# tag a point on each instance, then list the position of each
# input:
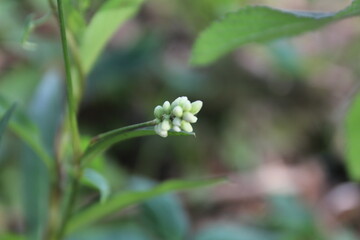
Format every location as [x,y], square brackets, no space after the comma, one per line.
[72,105]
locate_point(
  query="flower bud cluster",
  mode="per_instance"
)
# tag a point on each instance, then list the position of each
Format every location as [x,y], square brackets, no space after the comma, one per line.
[178,116]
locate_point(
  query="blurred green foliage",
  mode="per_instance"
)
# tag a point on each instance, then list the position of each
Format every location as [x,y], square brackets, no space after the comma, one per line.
[261,104]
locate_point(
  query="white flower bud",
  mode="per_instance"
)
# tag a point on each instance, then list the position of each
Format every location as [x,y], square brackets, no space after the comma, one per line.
[196,107]
[189,117]
[160,132]
[176,122]
[185,104]
[167,107]
[163,134]
[177,111]
[158,111]
[177,129]
[175,102]
[186,126]
[165,125]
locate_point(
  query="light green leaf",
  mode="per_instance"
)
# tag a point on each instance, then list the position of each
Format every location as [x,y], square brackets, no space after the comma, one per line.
[27,132]
[103,25]
[259,24]
[128,198]
[4,120]
[352,136]
[103,141]
[31,25]
[99,182]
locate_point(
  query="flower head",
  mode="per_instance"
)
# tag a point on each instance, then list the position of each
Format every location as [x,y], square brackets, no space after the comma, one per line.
[177,116]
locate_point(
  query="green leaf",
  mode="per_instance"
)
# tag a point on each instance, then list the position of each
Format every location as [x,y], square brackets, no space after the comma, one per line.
[103,25]
[103,141]
[163,215]
[352,136]
[27,132]
[126,231]
[31,25]
[230,231]
[99,182]
[45,109]
[5,119]
[128,198]
[259,24]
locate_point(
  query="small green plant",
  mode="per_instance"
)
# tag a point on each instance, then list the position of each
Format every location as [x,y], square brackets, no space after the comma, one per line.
[82,43]
[69,169]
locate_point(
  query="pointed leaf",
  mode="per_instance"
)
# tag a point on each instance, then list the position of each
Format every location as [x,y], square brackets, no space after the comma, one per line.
[99,182]
[27,132]
[258,24]
[126,199]
[103,25]
[106,140]
[5,119]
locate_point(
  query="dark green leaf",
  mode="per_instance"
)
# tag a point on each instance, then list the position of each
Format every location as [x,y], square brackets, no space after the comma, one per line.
[127,231]
[163,215]
[45,110]
[259,24]
[5,120]
[232,232]
[126,199]
[27,132]
[106,140]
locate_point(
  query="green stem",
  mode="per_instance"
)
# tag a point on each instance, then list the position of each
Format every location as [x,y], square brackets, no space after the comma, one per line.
[72,105]
[70,203]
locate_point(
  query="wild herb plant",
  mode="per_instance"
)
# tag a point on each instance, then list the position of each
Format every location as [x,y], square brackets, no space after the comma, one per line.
[82,44]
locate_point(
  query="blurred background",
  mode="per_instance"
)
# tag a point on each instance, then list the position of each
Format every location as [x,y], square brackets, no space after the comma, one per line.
[272,122]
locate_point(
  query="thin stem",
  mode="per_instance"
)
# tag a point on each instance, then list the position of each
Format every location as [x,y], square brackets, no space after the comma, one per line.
[75,52]
[74,187]
[72,105]
[75,137]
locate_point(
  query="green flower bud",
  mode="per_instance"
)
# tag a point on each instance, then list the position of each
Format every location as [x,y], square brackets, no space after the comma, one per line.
[165,125]
[189,117]
[158,111]
[196,107]
[186,126]
[177,111]
[167,107]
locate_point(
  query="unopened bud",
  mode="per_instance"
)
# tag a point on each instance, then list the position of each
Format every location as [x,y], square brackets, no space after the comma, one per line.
[158,111]
[186,126]
[196,107]
[167,107]
[177,129]
[165,125]
[177,111]
[189,117]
